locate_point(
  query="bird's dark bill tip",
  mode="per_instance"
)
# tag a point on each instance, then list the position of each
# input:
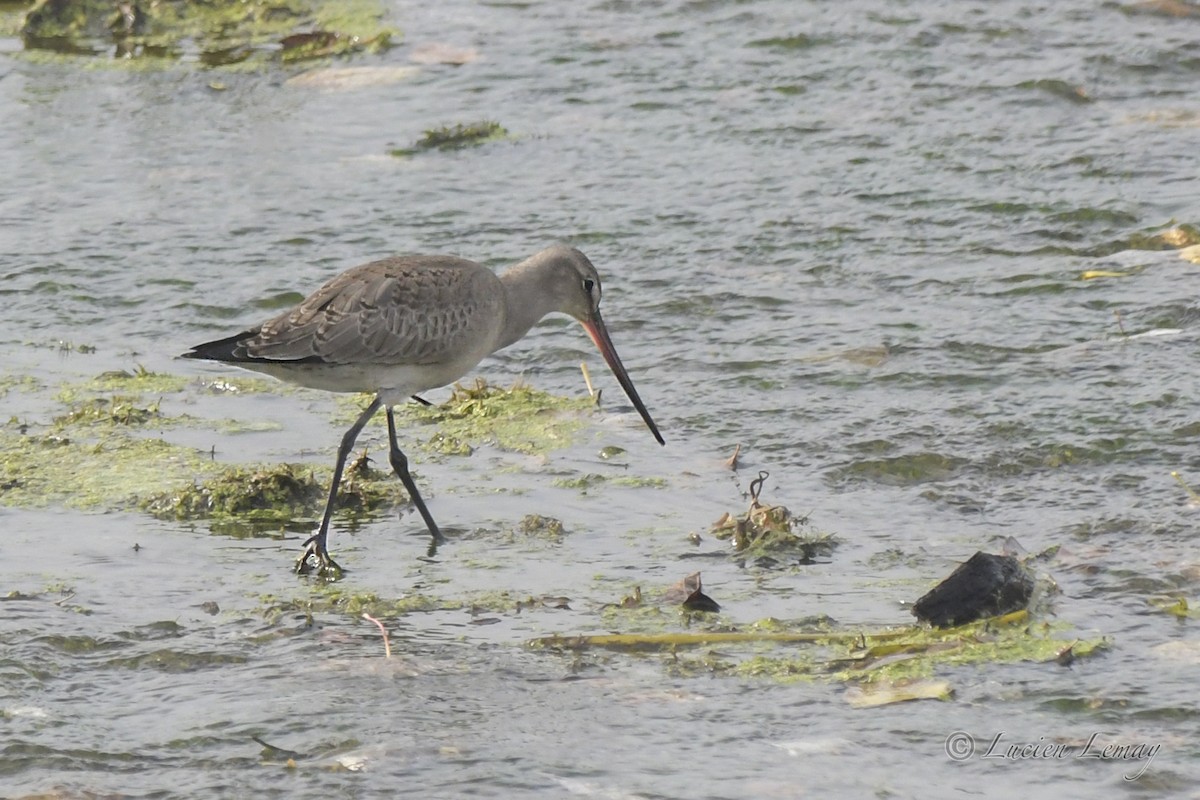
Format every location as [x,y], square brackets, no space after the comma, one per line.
[599,335]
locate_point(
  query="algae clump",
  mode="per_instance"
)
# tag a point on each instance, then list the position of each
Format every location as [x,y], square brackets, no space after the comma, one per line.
[825,653]
[519,419]
[455,137]
[115,410]
[767,532]
[225,31]
[110,472]
[274,493]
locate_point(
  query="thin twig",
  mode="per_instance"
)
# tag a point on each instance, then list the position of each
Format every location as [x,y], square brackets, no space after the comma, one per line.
[756,486]
[732,461]
[593,392]
[387,647]
[1191,492]
[587,379]
[280,750]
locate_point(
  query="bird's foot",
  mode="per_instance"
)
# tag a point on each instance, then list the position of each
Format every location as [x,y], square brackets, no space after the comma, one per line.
[315,560]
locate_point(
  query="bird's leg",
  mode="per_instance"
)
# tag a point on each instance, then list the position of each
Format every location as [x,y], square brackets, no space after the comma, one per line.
[315,547]
[421,400]
[400,464]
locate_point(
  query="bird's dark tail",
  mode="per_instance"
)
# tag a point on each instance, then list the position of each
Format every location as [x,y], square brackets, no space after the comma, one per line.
[230,349]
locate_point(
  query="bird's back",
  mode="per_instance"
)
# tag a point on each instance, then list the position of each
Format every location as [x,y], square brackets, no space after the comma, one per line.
[401,310]
[408,323]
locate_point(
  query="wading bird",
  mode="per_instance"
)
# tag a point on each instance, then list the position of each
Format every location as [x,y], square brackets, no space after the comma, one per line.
[404,325]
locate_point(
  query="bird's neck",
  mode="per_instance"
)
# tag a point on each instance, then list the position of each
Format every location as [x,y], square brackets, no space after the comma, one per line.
[525,302]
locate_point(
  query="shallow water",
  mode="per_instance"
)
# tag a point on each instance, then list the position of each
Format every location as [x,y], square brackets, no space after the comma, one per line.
[849,237]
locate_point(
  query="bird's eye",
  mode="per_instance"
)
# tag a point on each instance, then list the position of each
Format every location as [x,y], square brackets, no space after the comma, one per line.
[588,286]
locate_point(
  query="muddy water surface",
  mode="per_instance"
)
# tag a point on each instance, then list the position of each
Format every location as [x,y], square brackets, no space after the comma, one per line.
[881,246]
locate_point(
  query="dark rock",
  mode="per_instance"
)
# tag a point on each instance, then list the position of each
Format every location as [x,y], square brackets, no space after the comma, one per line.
[984,586]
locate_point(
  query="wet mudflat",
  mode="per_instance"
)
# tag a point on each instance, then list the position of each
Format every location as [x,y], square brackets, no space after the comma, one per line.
[929,268]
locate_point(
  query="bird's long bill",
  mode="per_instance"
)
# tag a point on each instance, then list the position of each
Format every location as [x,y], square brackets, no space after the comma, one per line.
[599,333]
